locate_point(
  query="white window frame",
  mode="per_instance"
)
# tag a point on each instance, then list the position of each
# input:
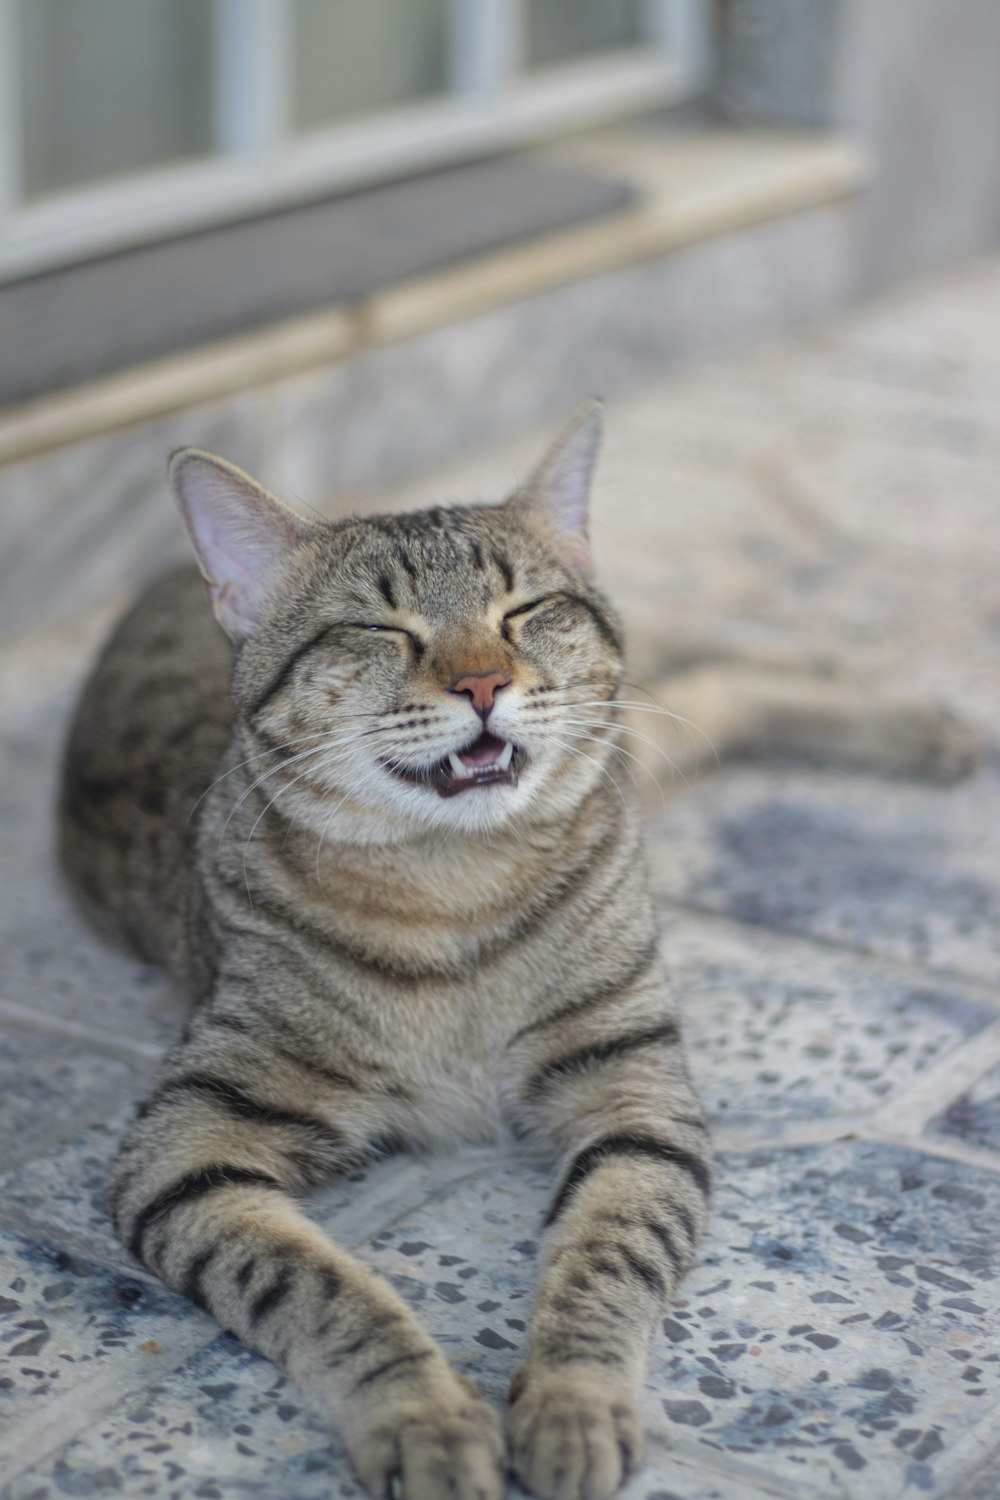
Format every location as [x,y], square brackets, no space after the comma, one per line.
[261,164]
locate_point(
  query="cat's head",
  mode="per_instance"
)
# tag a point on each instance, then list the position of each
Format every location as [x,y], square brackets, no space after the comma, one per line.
[446,668]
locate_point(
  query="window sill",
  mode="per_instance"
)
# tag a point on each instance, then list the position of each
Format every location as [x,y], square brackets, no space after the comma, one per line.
[686,188]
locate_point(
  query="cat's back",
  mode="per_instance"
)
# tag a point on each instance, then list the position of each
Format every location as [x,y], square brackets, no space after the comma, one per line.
[152,723]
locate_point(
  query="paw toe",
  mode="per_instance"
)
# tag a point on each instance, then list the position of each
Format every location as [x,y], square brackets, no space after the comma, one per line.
[435,1454]
[570,1441]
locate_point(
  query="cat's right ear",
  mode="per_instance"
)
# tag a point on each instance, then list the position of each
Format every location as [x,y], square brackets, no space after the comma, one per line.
[558,492]
[242,536]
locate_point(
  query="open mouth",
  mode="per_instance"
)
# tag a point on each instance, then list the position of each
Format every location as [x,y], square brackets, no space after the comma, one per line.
[488,761]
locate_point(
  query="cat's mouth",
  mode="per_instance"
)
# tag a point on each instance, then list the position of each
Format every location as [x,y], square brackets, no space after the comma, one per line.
[488,761]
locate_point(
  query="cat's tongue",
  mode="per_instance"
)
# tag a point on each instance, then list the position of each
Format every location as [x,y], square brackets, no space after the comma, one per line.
[483,753]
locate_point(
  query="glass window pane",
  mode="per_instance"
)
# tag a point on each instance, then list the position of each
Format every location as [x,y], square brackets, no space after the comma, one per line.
[354,57]
[110,86]
[562,29]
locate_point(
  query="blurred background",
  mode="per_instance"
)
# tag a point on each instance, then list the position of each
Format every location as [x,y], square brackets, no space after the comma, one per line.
[346,241]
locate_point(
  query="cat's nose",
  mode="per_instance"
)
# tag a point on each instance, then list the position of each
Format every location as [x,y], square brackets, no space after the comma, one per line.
[481,688]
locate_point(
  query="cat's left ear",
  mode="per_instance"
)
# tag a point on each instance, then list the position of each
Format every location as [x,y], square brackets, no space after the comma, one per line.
[558,492]
[243,537]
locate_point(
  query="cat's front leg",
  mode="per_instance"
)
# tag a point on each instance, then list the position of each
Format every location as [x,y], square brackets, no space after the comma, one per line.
[201,1196]
[620,1232]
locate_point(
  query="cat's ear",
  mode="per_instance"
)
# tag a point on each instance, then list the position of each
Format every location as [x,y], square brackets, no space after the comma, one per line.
[242,536]
[558,492]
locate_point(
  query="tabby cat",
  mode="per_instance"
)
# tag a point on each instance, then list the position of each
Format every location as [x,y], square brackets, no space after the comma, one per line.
[379,835]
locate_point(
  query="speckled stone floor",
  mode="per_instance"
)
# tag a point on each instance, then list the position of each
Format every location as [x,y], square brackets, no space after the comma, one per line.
[834,940]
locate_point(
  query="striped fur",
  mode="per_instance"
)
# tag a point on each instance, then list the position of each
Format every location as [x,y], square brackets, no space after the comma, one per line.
[363,949]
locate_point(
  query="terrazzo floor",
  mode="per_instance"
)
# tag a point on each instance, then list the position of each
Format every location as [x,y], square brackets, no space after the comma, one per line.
[834,940]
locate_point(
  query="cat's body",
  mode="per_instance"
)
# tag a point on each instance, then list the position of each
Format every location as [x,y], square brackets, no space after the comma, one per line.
[411,906]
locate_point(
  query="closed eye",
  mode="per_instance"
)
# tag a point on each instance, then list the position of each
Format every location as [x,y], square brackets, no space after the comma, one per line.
[526,609]
[373,628]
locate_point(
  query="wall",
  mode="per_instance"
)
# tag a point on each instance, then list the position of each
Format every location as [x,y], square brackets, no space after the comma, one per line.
[918,80]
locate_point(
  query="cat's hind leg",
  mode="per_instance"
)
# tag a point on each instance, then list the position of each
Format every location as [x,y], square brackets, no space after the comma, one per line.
[612,1091]
[736,710]
[202,1196]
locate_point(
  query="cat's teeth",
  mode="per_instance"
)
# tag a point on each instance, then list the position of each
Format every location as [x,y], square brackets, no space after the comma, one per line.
[467,773]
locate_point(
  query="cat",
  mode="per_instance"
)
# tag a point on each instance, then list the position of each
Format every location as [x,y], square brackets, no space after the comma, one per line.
[375,825]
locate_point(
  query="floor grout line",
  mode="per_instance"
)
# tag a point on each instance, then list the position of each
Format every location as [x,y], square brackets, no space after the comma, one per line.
[48,1145]
[823,1131]
[930,1092]
[864,1132]
[29,1226]
[127,1048]
[690,1455]
[919,975]
[966,1459]
[57,1424]
[962,1155]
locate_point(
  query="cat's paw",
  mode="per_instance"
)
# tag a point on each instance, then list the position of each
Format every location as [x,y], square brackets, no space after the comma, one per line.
[445,1445]
[572,1436]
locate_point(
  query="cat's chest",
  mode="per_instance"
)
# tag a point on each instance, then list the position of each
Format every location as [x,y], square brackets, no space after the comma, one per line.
[436,1051]
[459,1097]
[426,981]
[459,959]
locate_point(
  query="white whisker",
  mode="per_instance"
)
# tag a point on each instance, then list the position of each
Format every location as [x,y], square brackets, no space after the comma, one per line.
[274,750]
[647,708]
[582,754]
[627,729]
[330,746]
[620,750]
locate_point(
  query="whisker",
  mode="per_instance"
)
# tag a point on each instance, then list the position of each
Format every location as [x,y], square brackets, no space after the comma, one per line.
[259,781]
[266,808]
[620,750]
[327,748]
[582,754]
[623,755]
[627,729]
[648,709]
[274,750]
[337,750]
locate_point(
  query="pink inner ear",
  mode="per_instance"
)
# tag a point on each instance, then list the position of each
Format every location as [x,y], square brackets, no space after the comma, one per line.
[576,549]
[227,602]
[242,537]
[218,550]
[560,488]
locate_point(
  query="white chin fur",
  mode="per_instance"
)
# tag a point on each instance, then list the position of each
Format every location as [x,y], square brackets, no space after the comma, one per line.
[381,809]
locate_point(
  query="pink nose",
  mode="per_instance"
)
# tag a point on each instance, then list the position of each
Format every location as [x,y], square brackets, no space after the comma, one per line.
[481,688]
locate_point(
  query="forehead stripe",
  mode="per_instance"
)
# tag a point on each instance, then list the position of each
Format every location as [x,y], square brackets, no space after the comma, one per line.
[405,562]
[506,571]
